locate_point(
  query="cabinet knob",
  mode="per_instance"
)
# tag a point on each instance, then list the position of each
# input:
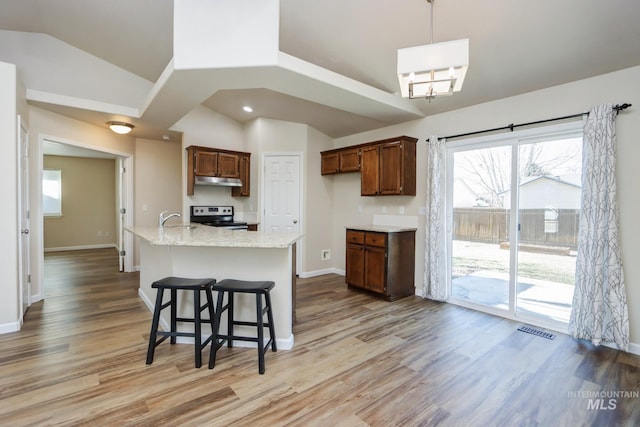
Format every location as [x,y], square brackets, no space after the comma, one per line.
[295,221]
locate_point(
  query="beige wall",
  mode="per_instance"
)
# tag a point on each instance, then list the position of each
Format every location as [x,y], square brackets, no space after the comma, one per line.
[157,182]
[206,128]
[575,97]
[55,127]
[319,207]
[88,204]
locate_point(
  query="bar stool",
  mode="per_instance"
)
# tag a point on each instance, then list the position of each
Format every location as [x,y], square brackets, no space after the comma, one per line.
[174,284]
[259,288]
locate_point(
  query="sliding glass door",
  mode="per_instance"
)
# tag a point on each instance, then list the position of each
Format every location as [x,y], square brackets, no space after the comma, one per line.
[514,204]
[480,268]
[548,213]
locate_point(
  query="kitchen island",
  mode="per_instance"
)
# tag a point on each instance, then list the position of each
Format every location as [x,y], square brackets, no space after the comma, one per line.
[197,251]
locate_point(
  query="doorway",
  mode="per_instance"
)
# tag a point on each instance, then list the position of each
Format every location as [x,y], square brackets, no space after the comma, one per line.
[124,202]
[514,207]
[24,264]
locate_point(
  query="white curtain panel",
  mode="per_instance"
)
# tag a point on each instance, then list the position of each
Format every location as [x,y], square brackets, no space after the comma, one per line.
[599,309]
[436,260]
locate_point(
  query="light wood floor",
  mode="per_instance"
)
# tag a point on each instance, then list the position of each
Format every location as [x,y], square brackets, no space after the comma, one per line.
[357,361]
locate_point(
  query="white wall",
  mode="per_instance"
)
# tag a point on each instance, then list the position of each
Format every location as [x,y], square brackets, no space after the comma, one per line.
[9,303]
[619,87]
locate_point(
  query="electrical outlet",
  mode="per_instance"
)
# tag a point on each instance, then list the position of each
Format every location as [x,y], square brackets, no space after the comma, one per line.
[401,210]
[325,254]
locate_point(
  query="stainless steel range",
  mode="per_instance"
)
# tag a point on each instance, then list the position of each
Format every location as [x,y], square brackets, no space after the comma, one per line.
[216,216]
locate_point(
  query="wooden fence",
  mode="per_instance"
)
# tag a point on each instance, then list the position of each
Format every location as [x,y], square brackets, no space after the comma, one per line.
[537,226]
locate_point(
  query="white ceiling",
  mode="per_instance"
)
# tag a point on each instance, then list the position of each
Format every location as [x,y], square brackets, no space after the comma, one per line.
[515,47]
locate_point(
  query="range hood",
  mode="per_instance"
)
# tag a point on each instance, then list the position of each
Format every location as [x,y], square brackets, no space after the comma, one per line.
[219,181]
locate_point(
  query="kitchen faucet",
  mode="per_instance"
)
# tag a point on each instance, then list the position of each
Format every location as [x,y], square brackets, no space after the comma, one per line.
[162,219]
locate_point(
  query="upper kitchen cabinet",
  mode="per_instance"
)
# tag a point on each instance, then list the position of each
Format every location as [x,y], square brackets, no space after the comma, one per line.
[387,167]
[244,166]
[340,161]
[232,167]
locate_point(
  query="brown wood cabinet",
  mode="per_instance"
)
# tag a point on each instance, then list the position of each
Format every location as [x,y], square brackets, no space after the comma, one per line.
[387,167]
[341,160]
[381,263]
[214,162]
[244,166]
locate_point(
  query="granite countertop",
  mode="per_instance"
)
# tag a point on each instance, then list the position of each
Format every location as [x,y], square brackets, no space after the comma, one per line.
[202,235]
[381,228]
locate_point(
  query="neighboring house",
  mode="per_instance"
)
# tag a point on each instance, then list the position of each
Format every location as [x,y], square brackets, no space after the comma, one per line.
[465,196]
[543,192]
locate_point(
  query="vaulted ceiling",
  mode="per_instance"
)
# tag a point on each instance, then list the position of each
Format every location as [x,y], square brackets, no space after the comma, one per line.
[515,47]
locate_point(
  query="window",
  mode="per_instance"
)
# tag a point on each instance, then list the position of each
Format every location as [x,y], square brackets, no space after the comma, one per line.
[52,192]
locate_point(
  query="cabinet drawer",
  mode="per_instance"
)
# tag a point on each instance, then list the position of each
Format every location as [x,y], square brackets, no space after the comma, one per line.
[356,237]
[376,239]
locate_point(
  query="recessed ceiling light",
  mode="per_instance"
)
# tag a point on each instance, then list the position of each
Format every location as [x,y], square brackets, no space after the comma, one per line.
[247,109]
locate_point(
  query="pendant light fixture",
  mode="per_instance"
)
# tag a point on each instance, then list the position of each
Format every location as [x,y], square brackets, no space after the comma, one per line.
[435,69]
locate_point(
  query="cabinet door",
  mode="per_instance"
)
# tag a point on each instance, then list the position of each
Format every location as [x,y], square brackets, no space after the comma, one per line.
[355,265]
[375,264]
[244,169]
[369,169]
[228,165]
[206,163]
[330,163]
[391,168]
[350,160]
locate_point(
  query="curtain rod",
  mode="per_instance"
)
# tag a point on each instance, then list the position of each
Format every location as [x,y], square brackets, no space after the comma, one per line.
[511,127]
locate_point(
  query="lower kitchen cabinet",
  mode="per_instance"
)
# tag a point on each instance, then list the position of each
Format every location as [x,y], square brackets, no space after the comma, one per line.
[382,263]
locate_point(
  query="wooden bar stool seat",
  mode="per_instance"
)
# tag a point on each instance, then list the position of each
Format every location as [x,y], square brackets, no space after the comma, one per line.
[260,289]
[175,284]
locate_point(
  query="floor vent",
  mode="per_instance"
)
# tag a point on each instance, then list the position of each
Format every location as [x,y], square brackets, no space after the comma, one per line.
[536,332]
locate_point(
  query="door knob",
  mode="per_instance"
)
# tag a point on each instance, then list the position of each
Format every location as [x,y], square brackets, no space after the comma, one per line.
[25,231]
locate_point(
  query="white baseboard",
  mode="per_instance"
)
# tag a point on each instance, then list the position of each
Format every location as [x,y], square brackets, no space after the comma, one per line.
[9,327]
[634,348]
[81,247]
[315,273]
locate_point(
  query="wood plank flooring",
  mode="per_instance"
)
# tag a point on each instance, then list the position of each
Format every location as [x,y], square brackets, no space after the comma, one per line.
[357,361]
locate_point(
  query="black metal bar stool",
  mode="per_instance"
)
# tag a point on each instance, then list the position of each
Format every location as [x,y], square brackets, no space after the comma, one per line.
[260,289]
[174,284]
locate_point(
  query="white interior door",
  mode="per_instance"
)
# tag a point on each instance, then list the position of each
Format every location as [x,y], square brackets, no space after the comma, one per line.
[25,240]
[281,196]
[282,193]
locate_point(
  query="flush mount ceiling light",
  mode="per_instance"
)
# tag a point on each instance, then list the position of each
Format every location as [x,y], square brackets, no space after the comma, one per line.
[120,127]
[247,109]
[434,69]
